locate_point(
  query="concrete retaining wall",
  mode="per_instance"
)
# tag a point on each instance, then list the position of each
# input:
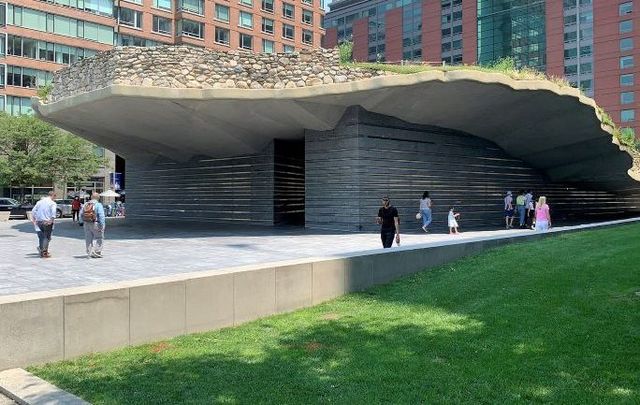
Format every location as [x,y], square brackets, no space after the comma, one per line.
[45,327]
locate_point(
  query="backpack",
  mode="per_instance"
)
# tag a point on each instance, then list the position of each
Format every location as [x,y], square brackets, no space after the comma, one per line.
[89,212]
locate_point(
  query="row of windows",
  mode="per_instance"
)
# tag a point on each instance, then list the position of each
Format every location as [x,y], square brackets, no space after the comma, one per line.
[585,18]
[288,9]
[585,33]
[57,24]
[573,69]
[13,105]
[102,7]
[222,13]
[573,3]
[196,29]
[246,41]
[130,40]
[42,50]
[26,77]
[573,52]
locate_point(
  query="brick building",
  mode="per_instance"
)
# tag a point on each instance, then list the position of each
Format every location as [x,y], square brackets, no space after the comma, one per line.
[591,43]
[38,37]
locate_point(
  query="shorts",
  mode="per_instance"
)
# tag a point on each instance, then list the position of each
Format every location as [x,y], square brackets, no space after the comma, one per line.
[508,213]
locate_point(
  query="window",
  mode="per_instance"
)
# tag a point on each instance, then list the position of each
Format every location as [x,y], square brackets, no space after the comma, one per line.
[626,80]
[246,41]
[307,17]
[247,3]
[586,33]
[267,25]
[245,20]
[307,37]
[190,28]
[586,68]
[571,70]
[625,8]
[570,53]
[570,19]
[570,36]
[25,77]
[130,40]
[18,105]
[585,50]
[288,10]
[129,17]
[626,62]
[288,49]
[268,46]
[222,12]
[267,5]
[586,17]
[161,25]
[192,6]
[163,4]
[222,36]
[626,44]
[586,85]
[626,26]
[627,115]
[627,97]
[288,31]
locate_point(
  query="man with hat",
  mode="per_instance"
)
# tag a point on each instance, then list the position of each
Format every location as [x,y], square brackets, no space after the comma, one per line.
[389,223]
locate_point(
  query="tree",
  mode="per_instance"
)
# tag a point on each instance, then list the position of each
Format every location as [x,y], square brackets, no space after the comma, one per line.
[34,152]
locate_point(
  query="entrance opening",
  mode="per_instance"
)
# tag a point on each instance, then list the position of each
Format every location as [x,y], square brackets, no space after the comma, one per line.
[288,183]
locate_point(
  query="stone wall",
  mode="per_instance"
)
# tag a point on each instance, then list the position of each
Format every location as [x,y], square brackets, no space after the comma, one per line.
[190,67]
[370,155]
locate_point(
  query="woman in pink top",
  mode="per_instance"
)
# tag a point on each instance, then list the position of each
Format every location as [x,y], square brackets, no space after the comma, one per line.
[543,219]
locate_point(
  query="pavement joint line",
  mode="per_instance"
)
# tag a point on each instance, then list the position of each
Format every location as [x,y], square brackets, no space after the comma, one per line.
[26,389]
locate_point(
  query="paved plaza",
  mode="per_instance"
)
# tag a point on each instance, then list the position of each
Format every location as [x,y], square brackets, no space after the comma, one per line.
[135,250]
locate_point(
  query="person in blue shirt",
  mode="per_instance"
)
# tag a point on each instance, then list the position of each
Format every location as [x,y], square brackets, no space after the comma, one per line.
[93,219]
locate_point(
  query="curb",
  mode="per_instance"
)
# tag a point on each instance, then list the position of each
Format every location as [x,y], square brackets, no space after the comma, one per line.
[27,389]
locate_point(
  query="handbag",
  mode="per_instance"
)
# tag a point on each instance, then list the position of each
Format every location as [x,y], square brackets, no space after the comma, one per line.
[418,216]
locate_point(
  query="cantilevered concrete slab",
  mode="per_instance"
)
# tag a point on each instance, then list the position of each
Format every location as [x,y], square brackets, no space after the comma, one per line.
[552,128]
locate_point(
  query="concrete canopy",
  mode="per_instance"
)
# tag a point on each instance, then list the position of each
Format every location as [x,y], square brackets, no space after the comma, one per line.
[553,128]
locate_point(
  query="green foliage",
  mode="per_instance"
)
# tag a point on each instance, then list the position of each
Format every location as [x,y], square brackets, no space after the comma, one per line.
[507,64]
[33,151]
[549,321]
[346,52]
[44,91]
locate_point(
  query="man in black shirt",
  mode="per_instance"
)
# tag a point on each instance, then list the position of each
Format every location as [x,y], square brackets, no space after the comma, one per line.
[389,223]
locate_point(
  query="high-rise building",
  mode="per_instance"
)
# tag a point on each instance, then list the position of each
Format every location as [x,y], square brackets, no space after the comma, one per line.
[38,37]
[591,43]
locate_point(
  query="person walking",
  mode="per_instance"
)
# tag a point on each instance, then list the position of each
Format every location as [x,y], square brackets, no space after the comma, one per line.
[508,210]
[521,208]
[43,216]
[93,219]
[75,209]
[528,202]
[425,211]
[543,215]
[389,223]
[452,221]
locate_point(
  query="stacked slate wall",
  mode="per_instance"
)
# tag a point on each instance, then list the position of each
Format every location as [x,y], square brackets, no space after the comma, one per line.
[369,155]
[225,190]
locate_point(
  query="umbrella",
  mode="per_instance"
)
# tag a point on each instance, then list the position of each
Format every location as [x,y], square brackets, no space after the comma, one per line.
[109,193]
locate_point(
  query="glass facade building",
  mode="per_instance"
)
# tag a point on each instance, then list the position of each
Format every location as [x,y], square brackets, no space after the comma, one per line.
[512,28]
[590,43]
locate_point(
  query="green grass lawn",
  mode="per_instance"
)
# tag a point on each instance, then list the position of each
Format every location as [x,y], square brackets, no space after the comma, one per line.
[551,321]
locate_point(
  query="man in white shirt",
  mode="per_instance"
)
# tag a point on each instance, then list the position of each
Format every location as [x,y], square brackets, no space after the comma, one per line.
[43,215]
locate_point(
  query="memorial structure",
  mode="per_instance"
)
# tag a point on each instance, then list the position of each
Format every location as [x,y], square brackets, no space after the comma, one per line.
[302,139]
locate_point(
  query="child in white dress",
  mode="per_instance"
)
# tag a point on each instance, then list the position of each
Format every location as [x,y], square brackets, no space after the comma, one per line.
[452,220]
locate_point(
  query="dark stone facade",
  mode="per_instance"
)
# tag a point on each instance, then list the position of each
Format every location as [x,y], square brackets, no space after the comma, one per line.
[369,155]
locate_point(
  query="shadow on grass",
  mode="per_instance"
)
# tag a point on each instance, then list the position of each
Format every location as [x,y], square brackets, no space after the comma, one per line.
[545,328]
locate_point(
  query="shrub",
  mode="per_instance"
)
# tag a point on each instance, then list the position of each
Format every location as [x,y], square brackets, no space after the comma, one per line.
[44,91]
[346,52]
